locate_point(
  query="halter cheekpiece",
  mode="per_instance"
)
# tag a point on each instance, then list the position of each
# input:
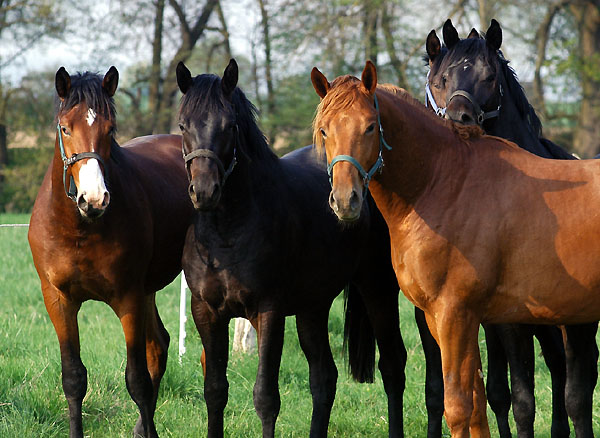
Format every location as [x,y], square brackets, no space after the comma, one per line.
[71,188]
[377,166]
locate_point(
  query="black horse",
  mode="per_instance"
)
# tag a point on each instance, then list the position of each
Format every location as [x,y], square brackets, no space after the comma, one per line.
[471,82]
[264,244]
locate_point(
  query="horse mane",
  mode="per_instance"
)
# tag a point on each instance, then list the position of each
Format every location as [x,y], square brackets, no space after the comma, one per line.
[471,47]
[87,87]
[206,94]
[348,87]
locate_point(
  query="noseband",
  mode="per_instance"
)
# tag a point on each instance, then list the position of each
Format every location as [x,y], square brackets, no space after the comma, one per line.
[71,189]
[481,114]
[377,166]
[207,153]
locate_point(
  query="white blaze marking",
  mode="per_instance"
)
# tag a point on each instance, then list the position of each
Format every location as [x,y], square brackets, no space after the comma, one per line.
[91,116]
[91,182]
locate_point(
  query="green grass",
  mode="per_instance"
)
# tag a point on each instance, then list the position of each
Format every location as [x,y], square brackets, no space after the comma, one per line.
[32,402]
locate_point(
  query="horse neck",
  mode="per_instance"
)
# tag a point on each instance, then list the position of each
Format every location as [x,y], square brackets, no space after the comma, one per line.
[421,158]
[511,126]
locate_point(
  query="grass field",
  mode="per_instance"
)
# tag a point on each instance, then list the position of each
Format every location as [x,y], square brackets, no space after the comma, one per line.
[32,403]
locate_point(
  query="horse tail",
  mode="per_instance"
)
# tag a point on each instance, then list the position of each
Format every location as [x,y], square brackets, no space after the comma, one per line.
[359,338]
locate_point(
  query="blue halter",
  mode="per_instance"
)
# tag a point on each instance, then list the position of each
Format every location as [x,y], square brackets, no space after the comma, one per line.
[377,166]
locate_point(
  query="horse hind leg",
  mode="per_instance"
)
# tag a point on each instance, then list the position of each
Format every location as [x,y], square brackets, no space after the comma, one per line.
[134,318]
[551,342]
[157,346]
[63,314]
[314,340]
[266,388]
[582,374]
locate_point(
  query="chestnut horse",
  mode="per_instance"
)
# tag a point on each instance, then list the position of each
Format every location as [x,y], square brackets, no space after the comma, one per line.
[473,84]
[264,245]
[481,230]
[108,224]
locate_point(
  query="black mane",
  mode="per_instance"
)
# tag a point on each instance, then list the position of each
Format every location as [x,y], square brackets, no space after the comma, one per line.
[206,95]
[87,87]
[471,47]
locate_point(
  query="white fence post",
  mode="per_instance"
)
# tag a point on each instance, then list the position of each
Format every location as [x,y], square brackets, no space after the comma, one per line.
[182,316]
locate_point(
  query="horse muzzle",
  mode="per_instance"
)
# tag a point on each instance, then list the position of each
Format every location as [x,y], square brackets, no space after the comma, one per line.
[204,196]
[346,205]
[93,206]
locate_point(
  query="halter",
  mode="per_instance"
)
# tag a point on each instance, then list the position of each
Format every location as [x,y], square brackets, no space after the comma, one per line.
[481,115]
[71,189]
[377,166]
[207,153]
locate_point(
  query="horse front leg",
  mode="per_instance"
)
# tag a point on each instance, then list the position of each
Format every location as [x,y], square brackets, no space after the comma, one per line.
[132,312]
[314,340]
[266,387]
[214,333]
[498,391]
[464,394]
[63,314]
[157,346]
[582,373]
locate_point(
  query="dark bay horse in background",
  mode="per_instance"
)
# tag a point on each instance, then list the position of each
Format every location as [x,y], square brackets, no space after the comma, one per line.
[109,224]
[481,230]
[264,245]
[470,82]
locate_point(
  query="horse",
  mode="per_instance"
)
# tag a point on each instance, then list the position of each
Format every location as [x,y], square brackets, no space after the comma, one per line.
[474,220]
[108,224]
[474,84]
[264,245]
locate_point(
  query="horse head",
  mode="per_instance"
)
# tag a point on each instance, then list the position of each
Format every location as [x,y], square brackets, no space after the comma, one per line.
[85,129]
[348,127]
[465,80]
[207,120]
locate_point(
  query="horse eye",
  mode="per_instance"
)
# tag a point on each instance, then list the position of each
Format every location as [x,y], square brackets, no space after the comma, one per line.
[490,78]
[370,128]
[181,127]
[323,133]
[64,130]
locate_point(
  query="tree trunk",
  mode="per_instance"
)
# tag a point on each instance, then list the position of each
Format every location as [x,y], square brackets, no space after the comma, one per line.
[268,61]
[3,147]
[155,79]
[371,14]
[587,134]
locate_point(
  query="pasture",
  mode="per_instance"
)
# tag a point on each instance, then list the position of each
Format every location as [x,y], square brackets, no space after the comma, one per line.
[32,402]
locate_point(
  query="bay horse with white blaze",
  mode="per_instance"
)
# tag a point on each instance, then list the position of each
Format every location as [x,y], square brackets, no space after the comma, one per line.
[481,230]
[471,82]
[108,224]
[264,245]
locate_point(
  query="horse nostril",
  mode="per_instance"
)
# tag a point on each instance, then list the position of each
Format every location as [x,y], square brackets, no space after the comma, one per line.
[105,199]
[466,118]
[191,190]
[333,203]
[81,202]
[354,200]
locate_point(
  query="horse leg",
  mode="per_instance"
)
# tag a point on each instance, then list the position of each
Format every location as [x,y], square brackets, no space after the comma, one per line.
[498,392]
[214,333]
[134,318]
[464,394]
[550,339]
[266,387]
[434,382]
[314,340]
[392,353]
[518,346]
[157,345]
[63,314]
[582,373]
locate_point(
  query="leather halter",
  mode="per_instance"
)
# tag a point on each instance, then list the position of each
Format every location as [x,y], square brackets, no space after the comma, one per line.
[207,153]
[481,115]
[377,166]
[71,189]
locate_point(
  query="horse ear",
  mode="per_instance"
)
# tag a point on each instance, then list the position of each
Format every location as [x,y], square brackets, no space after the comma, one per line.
[110,81]
[493,36]
[230,78]
[184,77]
[473,34]
[319,82]
[369,77]
[62,82]
[433,46]
[450,34]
